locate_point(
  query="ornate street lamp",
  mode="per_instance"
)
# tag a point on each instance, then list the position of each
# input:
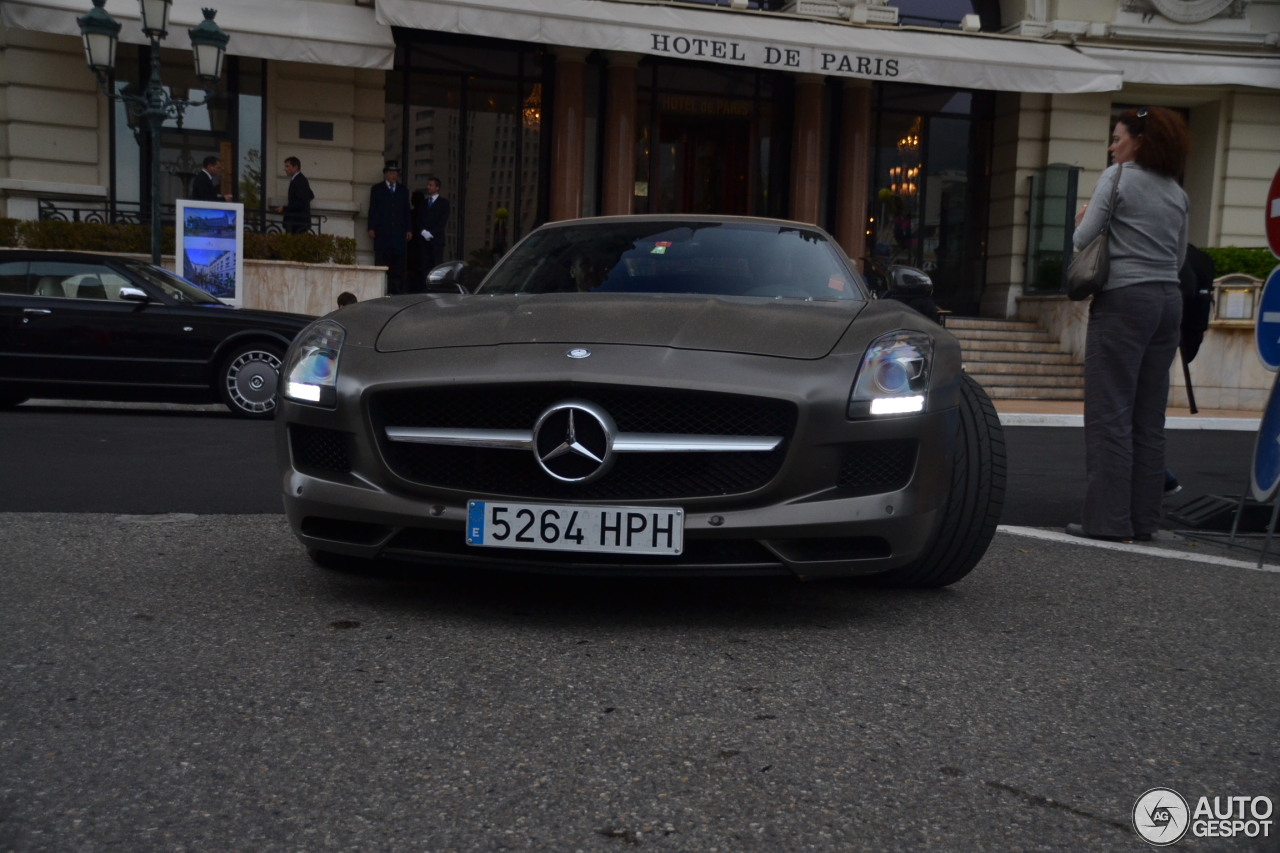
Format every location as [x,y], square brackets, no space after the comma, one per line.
[155,18]
[208,46]
[100,32]
[153,104]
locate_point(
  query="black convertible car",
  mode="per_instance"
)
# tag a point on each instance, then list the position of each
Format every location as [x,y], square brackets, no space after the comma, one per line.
[673,394]
[75,325]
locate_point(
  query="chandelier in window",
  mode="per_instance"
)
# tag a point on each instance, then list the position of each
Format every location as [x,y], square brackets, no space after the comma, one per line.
[532,108]
[909,142]
[903,180]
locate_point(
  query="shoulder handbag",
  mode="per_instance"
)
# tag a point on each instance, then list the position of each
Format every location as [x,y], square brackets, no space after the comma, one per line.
[1091,266]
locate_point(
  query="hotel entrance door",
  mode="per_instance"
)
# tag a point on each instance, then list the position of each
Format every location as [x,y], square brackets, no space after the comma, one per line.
[704,165]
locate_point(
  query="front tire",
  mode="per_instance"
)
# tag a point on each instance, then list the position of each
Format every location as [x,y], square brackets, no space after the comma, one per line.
[248,378]
[10,399]
[974,502]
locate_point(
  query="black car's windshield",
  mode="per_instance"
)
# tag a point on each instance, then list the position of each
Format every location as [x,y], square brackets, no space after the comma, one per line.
[642,256]
[177,289]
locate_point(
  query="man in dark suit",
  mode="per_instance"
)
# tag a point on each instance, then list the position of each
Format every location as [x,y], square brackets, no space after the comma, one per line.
[390,226]
[207,182]
[432,217]
[297,213]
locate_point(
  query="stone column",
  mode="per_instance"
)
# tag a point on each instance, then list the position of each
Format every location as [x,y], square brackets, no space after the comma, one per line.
[620,135]
[567,131]
[806,150]
[854,171]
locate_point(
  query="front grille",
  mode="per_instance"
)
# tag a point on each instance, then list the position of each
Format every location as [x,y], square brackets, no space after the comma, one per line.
[319,448]
[704,553]
[634,476]
[884,465]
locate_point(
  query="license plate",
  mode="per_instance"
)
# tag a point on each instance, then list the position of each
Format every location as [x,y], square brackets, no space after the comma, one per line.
[557,527]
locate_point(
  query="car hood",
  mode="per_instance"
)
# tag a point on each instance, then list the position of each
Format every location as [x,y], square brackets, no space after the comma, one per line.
[784,328]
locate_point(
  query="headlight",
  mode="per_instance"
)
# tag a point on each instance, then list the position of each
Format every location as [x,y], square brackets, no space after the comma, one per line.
[311,369]
[894,376]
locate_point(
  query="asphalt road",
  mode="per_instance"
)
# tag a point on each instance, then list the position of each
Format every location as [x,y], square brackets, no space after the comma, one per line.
[190,681]
[200,686]
[136,461]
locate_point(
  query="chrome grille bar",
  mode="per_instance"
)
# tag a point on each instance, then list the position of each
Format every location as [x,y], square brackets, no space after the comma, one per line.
[625,442]
[502,439]
[657,442]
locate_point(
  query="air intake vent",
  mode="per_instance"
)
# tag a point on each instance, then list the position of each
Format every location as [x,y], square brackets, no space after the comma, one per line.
[878,465]
[319,449]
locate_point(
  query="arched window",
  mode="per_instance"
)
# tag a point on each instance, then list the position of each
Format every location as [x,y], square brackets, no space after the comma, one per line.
[947,13]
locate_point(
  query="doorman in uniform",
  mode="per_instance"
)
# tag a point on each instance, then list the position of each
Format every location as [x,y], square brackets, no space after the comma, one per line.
[433,217]
[389,226]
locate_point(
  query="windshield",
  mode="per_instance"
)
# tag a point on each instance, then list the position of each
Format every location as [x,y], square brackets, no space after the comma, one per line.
[721,259]
[177,289]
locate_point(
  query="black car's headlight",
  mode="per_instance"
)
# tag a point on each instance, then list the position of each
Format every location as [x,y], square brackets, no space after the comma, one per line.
[894,376]
[311,369]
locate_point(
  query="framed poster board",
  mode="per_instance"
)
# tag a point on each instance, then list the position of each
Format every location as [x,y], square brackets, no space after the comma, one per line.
[209,239]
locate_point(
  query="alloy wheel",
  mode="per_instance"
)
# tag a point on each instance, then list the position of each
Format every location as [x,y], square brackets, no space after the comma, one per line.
[252,378]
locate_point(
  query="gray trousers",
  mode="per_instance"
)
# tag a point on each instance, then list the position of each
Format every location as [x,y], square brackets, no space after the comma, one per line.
[1133,335]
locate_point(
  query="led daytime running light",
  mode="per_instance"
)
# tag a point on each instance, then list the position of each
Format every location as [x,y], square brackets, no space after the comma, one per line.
[894,376]
[311,369]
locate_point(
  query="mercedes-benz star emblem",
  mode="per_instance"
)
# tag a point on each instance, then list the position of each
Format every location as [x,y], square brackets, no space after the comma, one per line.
[578,352]
[573,441]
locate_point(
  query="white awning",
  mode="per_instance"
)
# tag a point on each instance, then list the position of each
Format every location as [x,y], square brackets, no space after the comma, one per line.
[768,40]
[1190,69]
[293,30]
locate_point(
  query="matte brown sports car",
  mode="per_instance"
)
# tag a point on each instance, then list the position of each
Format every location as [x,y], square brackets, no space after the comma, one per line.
[651,394]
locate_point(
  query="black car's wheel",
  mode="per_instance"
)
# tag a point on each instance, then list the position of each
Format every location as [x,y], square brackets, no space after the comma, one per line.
[975,500]
[9,400]
[248,378]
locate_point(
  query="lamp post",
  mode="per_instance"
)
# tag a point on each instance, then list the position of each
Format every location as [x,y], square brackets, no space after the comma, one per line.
[153,105]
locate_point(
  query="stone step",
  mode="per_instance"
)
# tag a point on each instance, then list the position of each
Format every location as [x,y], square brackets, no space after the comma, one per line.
[1035,335]
[1025,380]
[1037,356]
[1001,392]
[986,323]
[1011,346]
[1021,368]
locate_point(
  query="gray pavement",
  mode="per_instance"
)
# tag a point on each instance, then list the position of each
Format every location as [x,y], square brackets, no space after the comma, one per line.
[194,683]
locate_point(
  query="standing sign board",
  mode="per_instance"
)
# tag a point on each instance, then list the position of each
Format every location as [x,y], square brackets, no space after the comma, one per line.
[1264,476]
[1266,331]
[1272,213]
[210,247]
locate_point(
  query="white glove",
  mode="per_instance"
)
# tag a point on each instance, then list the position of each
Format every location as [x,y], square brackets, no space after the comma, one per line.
[426,235]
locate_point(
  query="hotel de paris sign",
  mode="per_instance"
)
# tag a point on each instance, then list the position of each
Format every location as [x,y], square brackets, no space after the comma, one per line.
[782,58]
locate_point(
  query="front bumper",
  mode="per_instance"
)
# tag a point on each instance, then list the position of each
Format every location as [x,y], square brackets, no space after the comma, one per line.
[800,524]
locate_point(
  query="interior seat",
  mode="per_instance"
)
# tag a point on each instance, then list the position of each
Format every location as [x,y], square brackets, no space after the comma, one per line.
[51,285]
[91,287]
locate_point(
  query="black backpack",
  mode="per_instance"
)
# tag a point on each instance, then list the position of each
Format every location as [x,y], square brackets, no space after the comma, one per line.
[1195,280]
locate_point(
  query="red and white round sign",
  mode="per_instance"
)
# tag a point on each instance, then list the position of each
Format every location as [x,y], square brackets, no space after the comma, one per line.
[1273,215]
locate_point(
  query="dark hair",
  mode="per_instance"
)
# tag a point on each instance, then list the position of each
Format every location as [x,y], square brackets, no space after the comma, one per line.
[294,162]
[211,160]
[346,298]
[1163,140]
[431,178]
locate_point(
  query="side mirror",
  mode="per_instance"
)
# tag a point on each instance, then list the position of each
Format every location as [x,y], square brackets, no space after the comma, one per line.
[133,294]
[448,278]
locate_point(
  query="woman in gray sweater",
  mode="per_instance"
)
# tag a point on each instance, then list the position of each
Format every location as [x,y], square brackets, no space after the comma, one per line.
[1133,324]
